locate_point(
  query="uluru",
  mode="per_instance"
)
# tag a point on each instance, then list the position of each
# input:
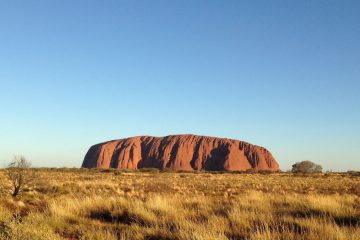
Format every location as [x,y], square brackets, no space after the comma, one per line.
[180,152]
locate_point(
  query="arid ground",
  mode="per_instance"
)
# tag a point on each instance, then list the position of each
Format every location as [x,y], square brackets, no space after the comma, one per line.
[148,204]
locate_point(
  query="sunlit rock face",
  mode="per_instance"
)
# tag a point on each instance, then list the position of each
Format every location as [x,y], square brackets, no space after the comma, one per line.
[180,152]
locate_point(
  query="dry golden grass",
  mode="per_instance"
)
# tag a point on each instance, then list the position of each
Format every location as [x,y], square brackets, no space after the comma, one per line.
[109,204]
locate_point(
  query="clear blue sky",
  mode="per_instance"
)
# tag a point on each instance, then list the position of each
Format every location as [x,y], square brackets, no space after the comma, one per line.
[281,74]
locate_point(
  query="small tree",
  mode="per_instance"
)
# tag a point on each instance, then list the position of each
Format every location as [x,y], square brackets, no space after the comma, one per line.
[18,173]
[306,167]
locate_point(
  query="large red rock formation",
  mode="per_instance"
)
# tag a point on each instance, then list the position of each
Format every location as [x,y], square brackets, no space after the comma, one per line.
[180,152]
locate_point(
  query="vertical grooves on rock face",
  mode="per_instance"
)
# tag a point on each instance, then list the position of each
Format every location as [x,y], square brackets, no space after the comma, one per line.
[173,153]
[185,152]
[241,146]
[195,159]
[161,151]
[132,155]
[250,154]
[217,158]
[114,163]
[144,151]
[116,159]
[146,159]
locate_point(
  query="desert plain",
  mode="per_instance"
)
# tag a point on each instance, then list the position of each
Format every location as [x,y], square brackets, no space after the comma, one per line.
[114,204]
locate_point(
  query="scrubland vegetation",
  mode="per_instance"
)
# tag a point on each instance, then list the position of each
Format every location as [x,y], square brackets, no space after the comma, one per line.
[148,204]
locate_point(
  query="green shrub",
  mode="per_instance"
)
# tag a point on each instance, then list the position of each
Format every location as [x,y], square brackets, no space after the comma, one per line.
[306,167]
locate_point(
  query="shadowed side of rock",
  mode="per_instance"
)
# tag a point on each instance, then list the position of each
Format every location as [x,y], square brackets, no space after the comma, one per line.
[180,152]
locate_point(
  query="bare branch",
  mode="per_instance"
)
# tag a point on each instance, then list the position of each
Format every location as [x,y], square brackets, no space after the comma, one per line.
[17,172]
